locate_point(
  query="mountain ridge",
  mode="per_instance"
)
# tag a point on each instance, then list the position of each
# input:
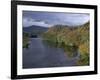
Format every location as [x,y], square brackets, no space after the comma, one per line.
[34,28]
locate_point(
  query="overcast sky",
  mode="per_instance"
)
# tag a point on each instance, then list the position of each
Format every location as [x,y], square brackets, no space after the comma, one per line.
[47,19]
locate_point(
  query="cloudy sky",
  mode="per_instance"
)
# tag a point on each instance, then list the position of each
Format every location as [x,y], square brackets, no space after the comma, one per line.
[47,19]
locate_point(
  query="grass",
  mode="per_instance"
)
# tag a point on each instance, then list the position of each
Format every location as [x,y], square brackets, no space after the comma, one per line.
[71,39]
[25,40]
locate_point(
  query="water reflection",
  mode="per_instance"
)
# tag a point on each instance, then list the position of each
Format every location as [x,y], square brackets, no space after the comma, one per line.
[71,51]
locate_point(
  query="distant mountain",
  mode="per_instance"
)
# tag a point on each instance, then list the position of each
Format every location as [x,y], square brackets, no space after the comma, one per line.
[34,28]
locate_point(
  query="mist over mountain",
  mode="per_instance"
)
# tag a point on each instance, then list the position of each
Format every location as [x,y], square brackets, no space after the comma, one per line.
[34,28]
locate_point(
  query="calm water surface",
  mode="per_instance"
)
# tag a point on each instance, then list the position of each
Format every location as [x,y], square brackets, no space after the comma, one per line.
[40,55]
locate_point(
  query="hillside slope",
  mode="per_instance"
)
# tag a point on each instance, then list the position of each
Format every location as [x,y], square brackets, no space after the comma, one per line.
[71,36]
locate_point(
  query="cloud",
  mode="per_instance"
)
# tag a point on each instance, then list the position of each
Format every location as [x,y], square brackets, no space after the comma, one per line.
[48,19]
[73,19]
[29,22]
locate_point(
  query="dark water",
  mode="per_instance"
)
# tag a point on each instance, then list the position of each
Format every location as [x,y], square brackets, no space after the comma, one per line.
[40,55]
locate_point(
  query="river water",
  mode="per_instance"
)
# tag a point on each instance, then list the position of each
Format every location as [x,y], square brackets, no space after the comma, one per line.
[39,55]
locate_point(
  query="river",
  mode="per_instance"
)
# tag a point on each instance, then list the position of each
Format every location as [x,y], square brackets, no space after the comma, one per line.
[39,55]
